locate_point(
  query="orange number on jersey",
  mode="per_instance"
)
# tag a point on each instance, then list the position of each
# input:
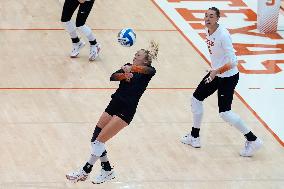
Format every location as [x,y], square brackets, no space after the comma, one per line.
[209,45]
[270,2]
[209,49]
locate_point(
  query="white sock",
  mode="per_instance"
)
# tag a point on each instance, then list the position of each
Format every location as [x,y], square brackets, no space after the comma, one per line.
[197,119]
[235,120]
[70,28]
[104,158]
[197,112]
[92,160]
[86,30]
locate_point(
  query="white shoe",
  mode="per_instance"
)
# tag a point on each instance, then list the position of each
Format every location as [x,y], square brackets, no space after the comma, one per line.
[94,51]
[76,48]
[190,140]
[251,147]
[104,176]
[76,176]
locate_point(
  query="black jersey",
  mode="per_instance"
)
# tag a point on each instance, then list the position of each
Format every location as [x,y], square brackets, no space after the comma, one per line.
[131,92]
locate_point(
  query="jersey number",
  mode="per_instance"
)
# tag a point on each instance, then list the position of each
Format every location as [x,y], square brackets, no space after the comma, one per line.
[270,2]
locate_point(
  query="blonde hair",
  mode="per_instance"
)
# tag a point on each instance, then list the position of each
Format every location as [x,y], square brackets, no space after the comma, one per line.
[152,51]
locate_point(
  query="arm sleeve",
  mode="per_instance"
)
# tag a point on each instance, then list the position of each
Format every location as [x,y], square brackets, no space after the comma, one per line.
[143,70]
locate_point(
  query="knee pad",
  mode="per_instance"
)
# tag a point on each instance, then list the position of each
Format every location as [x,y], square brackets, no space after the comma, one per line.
[230,117]
[87,31]
[196,106]
[98,148]
[70,26]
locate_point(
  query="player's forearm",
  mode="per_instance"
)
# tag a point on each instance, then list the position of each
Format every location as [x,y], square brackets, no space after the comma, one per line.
[118,76]
[142,69]
[225,68]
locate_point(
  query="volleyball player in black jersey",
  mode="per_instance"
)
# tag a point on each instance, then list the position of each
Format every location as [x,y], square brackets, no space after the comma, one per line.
[134,79]
[85,7]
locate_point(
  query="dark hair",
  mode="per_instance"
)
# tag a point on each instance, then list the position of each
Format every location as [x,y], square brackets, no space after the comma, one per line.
[216,10]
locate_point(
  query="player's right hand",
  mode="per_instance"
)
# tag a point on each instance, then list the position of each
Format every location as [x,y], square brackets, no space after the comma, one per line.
[81,1]
[126,68]
[128,76]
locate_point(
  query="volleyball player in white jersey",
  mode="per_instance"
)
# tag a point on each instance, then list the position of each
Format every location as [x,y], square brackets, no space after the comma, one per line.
[223,77]
[85,7]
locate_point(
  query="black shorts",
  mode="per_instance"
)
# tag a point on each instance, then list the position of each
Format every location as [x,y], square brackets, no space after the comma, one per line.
[225,87]
[69,8]
[121,109]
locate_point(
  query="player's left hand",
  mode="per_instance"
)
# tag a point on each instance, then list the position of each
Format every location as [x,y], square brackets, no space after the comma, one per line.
[81,1]
[212,75]
[128,76]
[126,68]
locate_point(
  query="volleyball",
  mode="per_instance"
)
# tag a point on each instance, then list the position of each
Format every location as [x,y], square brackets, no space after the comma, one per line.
[126,37]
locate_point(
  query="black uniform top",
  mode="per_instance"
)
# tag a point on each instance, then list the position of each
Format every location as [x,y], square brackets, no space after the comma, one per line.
[131,92]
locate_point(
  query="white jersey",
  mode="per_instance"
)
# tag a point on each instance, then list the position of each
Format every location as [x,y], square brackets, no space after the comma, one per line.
[221,50]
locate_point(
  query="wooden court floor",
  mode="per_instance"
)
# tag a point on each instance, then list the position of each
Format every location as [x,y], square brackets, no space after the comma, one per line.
[51,103]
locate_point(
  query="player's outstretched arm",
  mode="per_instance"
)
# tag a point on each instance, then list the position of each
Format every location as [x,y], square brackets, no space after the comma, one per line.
[121,76]
[142,69]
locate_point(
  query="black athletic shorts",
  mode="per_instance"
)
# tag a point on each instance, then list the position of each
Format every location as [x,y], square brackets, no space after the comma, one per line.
[121,109]
[225,87]
[84,10]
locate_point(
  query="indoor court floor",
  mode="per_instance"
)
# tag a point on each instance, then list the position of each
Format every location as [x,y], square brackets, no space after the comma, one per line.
[51,103]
